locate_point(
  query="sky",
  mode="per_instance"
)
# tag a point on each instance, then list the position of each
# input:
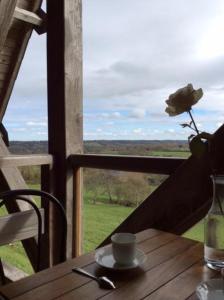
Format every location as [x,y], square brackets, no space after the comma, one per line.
[135,54]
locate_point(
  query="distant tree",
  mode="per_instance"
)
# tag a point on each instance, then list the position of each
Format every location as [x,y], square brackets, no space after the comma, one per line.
[31,174]
[93,184]
[131,189]
[108,182]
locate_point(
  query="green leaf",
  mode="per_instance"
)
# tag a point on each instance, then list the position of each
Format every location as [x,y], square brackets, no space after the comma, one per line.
[197,147]
[190,137]
[185,125]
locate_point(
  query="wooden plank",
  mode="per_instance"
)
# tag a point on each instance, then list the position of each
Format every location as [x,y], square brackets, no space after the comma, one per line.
[4,59]
[143,164]
[10,42]
[11,178]
[182,286]
[65,102]
[50,275]
[18,52]
[2,76]
[75,286]
[87,290]
[78,210]
[158,276]
[19,226]
[31,5]
[27,16]
[7,8]
[3,68]
[7,51]
[25,160]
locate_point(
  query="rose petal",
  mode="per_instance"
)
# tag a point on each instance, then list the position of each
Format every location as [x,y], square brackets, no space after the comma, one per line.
[173,111]
[183,99]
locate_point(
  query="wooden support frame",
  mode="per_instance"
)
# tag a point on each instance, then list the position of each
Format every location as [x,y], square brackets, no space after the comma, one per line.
[19,226]
[10,178]
[18,55]
[7,8]
[27,16]
[181,200]
[143,164]
[38,20]
[64,60]
[25,160]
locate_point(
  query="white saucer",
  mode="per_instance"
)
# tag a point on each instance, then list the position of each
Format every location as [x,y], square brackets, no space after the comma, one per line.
[104,258]
[212,289]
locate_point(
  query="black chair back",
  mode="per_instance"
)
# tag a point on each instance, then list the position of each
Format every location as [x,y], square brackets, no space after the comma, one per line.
[21,194]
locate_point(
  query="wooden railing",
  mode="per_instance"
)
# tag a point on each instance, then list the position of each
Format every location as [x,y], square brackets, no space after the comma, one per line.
[177,204]
[141,164]
[25,160]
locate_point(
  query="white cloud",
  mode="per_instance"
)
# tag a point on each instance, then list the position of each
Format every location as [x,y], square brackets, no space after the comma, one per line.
[138,113]
[19,129]
[35,123]
[171,130]
[137,130]
[116,114]
[219,124]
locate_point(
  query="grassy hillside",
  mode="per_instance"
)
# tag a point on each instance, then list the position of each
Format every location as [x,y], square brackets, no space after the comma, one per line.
[107,147]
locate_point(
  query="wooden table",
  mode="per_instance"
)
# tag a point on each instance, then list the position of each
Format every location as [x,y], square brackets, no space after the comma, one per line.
[173,269]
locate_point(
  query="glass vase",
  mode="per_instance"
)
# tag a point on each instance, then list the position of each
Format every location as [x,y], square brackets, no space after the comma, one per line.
[214,227]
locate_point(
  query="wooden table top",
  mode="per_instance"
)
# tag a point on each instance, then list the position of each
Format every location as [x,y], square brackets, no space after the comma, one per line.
[173,269]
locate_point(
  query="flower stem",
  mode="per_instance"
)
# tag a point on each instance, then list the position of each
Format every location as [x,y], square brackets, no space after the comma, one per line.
[193,122]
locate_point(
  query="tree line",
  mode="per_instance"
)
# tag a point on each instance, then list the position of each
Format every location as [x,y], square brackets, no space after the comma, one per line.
[106,186]
[122,188]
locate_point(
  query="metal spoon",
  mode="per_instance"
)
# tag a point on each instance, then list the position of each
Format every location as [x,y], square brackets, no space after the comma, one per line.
[103,281]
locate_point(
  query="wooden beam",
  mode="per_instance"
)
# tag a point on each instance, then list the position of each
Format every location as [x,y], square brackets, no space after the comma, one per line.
[16,57]
[143,164]
[181,200]
[11,178]
[25,160]
[27,16]
[185,191]
[78,210]
[64,56]
[19,226]
[7,8]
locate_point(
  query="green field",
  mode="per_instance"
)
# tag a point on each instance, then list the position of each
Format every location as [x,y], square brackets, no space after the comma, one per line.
[196,232]
[99,221]
[182,154]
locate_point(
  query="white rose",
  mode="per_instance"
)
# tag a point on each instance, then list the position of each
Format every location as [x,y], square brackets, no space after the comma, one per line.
[182,100]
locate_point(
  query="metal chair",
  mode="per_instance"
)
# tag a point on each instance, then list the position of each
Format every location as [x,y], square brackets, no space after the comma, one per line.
[21,194]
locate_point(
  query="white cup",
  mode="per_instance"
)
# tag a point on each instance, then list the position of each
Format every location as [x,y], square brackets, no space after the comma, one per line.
[123,248]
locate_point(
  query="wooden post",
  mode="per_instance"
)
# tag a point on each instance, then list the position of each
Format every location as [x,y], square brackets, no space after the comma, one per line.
[64,55]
